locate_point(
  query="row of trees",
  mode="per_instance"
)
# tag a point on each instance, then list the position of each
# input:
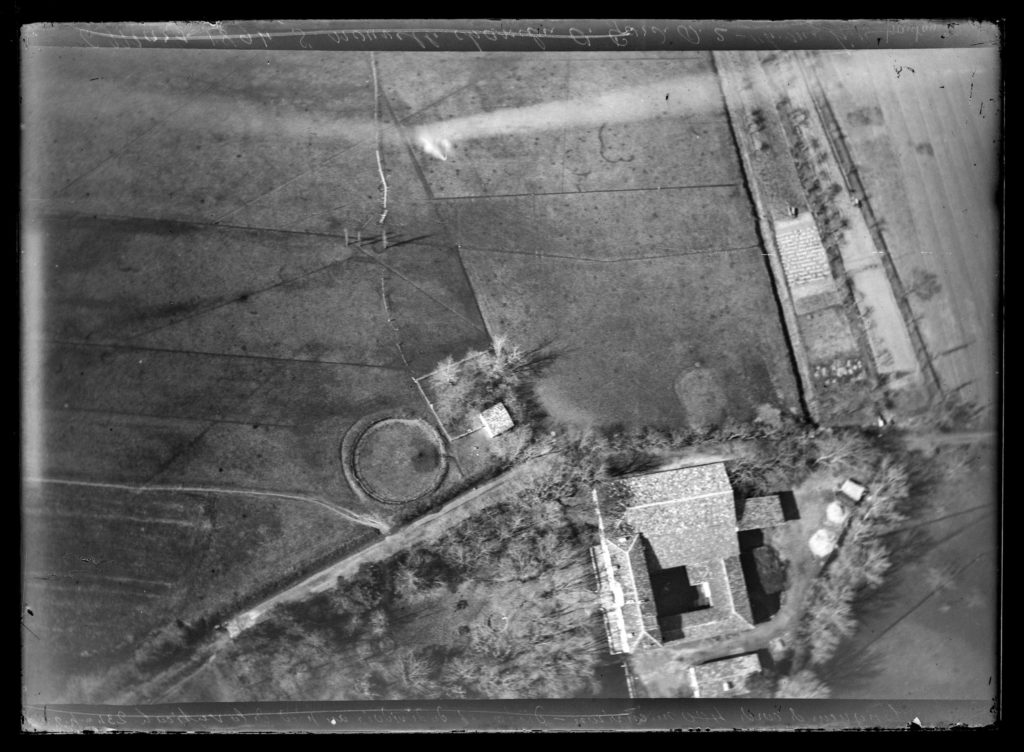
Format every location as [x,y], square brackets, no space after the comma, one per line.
[858,565]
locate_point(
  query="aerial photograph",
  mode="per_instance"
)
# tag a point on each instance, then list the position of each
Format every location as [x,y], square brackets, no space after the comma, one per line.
[379,374]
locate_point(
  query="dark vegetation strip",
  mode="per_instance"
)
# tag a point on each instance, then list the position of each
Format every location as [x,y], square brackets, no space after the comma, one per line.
[192,223]
[237,299]
[149,348]
[179,418]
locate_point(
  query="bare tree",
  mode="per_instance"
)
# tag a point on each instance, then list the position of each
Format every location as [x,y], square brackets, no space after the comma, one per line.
[446,373]
[804,685]
[407,582]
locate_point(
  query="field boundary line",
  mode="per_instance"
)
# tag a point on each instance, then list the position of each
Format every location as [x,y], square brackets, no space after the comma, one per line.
[654,189]
[430,405]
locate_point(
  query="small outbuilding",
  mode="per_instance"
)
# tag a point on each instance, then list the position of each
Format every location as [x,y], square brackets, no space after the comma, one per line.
[727,677]
[853,490]
[496,420]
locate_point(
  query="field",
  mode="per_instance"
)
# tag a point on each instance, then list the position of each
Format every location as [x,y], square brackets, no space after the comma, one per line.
[205,324]
[186,558]
[924,130]
[631,247]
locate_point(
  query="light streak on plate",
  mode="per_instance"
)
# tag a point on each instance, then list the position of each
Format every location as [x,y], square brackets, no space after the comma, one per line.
[676,97]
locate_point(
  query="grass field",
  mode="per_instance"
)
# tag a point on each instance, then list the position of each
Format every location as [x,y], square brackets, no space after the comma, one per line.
[630,246]
[621,353]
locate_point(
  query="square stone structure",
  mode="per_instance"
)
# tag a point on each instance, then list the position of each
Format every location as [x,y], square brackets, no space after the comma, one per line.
[496,420]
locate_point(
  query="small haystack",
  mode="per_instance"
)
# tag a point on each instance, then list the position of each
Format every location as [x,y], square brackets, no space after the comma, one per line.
[823,542]
[835,513]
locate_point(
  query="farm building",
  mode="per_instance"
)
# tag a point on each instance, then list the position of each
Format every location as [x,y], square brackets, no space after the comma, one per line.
[675,573]
[853,490]
[724,678]
[496,420]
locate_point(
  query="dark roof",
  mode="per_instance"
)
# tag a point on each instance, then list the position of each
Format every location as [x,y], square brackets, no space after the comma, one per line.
[760,512]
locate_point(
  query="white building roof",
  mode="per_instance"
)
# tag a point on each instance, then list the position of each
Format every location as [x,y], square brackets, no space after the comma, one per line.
[496,420]
[853,490]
